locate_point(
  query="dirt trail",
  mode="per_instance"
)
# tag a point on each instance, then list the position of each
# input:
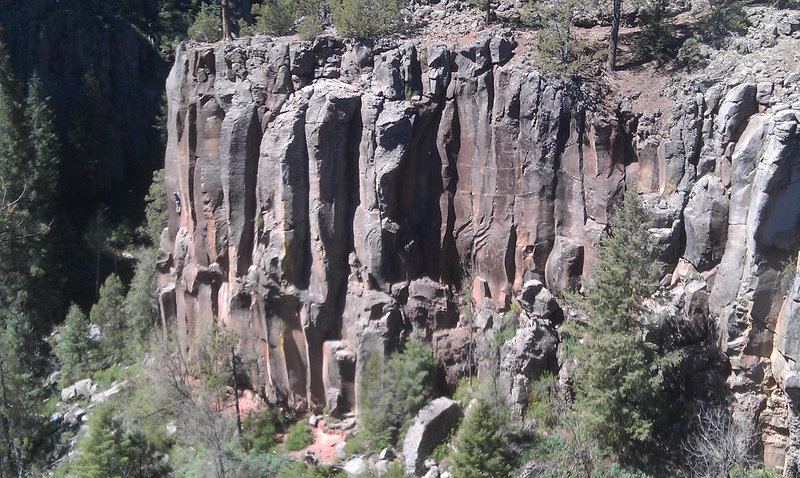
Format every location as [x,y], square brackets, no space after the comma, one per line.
[324,445]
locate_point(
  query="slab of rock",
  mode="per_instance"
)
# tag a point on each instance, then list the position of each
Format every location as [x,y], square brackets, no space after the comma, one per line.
[738,105]
[764,91]
[356,467]
[81,388]
[706,222]
[432,425]
[115,388]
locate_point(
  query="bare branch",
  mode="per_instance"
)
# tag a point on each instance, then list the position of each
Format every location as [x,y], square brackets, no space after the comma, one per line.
[720,444]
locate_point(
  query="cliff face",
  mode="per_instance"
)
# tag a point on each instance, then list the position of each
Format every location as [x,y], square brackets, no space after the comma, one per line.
[332,194]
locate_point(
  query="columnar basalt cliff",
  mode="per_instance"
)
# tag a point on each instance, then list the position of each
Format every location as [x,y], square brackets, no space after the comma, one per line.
[332,195]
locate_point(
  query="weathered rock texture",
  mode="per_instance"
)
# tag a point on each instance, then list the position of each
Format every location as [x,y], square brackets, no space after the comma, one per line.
[331,193]
[431,427]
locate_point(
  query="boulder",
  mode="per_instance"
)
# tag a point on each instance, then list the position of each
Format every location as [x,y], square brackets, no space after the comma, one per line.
[433,472]
[537,301]
[764,92]
[115,388]
[81,388]
[75,416]
[432,425]
[356,467]
[382,466]
[387,454]
[791,386]
[340,453]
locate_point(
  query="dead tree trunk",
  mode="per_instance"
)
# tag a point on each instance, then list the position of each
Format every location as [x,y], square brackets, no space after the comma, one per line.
[236,394]
[226,20]
[612,43]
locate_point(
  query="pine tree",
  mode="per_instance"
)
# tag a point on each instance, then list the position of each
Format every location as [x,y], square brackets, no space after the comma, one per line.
[618,378]
[481,449]
[74,346]
[627,270]
[109,315]
[22,305]
[17,226]
[207,25]
[88,146]
[141,304]
[367,18]
[392,392]
[109,451]
[13,145]
[41,201]
[45,159]
[22,427]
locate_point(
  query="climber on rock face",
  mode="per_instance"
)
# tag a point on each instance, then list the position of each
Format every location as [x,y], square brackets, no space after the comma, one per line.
[177,198]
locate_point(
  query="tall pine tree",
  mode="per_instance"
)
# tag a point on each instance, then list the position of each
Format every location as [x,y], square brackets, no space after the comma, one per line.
[618,379]
[110,316]
[482,450]
[22,427]
[74,346]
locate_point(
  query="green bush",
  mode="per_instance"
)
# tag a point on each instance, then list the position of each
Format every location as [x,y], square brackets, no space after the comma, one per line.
[466,390]
[690,55]
[656,40]
[259,429]
[541,402]
[105,377]
[275,17]
[356,444]
[395,470]
[207,25]
[724,18]
[393,391]
[311,27]
[300,470]
[561,54]
[155,211]
[367,18]
[241,464]
[298,437]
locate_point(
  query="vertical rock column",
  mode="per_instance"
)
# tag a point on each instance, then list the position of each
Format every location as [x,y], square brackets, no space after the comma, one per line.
[332,136]
[282,255]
